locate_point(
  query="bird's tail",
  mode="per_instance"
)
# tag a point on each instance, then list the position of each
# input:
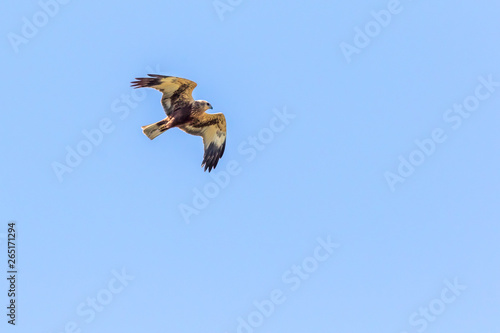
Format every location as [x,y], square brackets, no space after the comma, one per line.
[153,130]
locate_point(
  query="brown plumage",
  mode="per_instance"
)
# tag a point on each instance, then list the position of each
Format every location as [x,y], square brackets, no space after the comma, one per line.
[187,114]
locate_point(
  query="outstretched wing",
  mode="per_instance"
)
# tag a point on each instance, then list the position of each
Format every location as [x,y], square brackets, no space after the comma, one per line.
[175,89]
[214,140]
[212,128]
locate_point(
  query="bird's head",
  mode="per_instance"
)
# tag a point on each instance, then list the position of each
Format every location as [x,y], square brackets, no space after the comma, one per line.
[203,105]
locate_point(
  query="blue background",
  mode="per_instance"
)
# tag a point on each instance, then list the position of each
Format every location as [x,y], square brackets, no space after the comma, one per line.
[322,175]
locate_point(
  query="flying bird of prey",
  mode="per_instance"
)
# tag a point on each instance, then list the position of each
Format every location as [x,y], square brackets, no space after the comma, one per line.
[187,114]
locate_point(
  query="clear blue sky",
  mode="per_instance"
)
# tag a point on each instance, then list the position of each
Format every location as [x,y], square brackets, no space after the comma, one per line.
[358,191]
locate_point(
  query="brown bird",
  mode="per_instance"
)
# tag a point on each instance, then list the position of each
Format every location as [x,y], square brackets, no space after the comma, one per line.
[187,114]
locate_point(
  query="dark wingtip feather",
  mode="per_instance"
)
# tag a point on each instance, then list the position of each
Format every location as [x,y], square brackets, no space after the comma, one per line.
[145,82]
[212,156]
[136,84]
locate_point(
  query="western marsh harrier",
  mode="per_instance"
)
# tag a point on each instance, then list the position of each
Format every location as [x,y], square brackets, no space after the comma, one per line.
[187,114]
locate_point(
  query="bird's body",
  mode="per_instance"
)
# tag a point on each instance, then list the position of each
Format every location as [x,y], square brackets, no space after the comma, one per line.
[187,114]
